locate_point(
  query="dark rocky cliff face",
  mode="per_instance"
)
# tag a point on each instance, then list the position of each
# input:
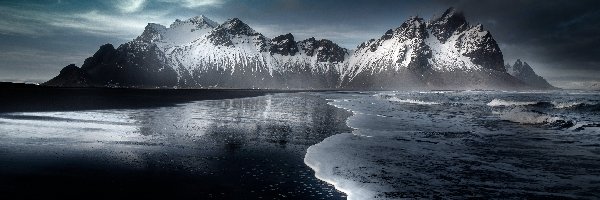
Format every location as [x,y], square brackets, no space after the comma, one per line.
[225,33]
[325,50]
[284,45]
[483,49]
[133,64]
[71,76]
[449,23]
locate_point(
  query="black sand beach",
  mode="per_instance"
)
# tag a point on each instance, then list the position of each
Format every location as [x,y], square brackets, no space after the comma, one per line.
[177,144]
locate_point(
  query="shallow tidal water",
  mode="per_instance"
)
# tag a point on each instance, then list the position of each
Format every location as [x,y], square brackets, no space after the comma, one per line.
[464,144]
[245,148]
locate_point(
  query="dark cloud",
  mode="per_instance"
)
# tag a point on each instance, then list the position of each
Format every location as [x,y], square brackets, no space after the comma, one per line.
[560,38]
[563,25]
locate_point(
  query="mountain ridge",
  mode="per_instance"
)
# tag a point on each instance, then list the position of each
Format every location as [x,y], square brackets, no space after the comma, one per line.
[441,53]
[524,72]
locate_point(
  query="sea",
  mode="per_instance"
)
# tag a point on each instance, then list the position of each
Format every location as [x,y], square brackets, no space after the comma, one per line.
[309,145]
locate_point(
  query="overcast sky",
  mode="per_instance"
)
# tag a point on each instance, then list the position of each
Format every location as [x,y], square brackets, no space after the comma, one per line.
[559,38]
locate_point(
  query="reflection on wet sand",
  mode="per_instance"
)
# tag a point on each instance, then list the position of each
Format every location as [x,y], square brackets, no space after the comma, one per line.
[234,148]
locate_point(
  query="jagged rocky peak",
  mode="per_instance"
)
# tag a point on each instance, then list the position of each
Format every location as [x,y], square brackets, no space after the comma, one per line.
[325,50]
[284,45]
[69,69]
[200,21]
[105,53]
[234,31]
[479,45]
[519,67]
[152,33]
[414,27]
[70,76]
[524,72]
[235,26]
[451,22]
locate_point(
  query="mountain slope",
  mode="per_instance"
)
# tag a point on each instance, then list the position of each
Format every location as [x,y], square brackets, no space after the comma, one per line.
[524,72]
[443,53]
[71,76]
[235,55]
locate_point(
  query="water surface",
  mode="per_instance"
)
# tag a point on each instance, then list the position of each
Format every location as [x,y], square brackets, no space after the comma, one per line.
[464,144]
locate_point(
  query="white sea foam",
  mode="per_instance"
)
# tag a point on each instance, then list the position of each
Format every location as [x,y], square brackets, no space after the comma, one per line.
[439,92]
[527,117]
[325,159]
[561,105]
[412,101]
[500,102]
[384,153]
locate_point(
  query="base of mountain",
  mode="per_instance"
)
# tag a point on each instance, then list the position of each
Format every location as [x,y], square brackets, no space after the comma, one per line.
[73,76]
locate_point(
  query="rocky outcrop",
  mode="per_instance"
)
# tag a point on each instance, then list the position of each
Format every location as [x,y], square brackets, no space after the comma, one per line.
[71,76]
[524,72]
[284,45]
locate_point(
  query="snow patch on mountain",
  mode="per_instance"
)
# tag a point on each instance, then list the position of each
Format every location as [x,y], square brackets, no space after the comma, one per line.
[178,33]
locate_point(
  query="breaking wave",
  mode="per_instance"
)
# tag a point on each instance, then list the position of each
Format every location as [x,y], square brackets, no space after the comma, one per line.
[527,117]
[412,101]
[521,116]
[500,102]
[561,105]
[553,104]
[409,101]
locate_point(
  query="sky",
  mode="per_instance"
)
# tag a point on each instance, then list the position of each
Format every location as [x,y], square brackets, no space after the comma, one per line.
[560,39]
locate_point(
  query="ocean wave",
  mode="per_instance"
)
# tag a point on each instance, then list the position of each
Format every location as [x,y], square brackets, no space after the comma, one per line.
[440,91]
[500,102]
[412,101]
[393,98]
[561,105]
[529,117]
[545,104]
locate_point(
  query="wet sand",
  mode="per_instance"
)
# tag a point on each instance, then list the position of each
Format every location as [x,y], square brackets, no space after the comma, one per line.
[161,143]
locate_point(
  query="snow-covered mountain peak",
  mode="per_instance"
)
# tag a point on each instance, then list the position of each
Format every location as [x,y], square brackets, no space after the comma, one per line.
[235,26]
[479,45]
[234,32]
[413,22]
[448,24]
[414,27]
[442,45]
[199,22]
[152,33]
[177,34]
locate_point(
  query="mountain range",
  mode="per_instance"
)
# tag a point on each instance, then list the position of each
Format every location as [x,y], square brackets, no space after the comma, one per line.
[445,52]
